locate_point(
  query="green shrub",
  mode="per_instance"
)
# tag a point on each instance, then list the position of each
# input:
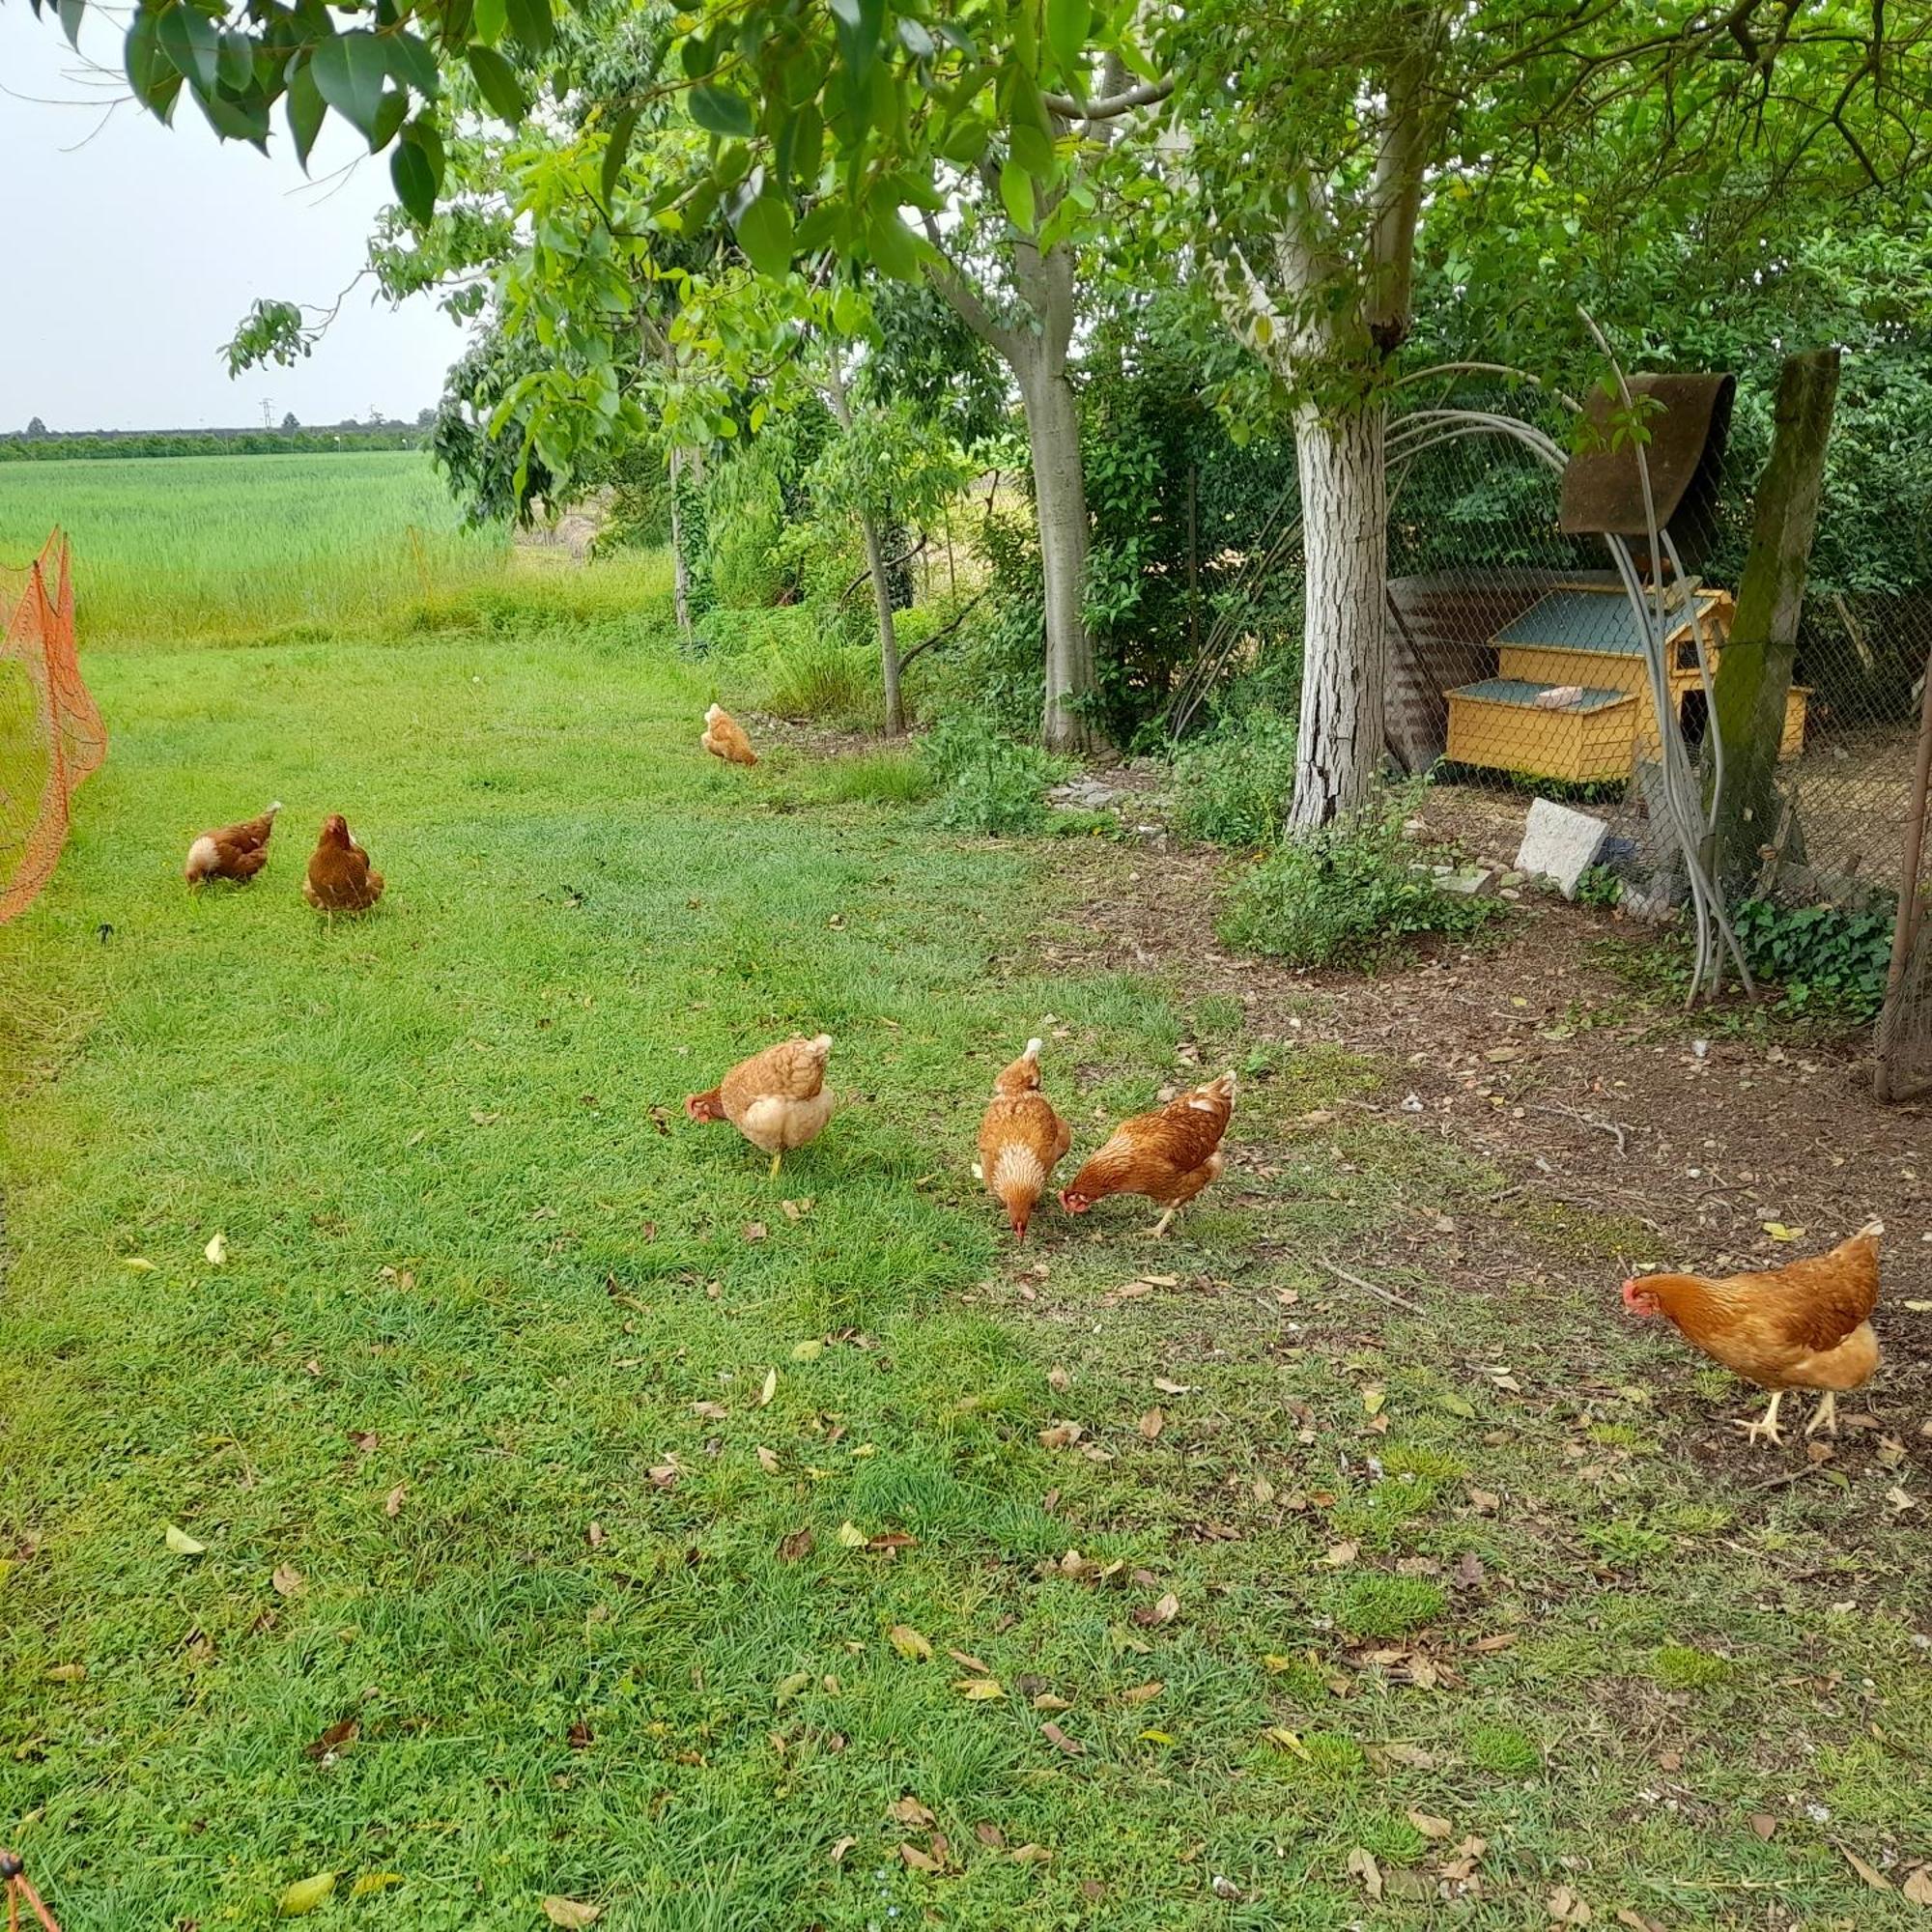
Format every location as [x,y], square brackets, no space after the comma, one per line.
[1235,787]
[1350,894]
[990,784]
[1824,961]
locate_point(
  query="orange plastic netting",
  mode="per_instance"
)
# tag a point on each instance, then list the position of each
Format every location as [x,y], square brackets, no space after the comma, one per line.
[51,736]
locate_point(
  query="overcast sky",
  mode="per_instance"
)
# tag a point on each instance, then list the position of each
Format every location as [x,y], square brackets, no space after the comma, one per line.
[129,260]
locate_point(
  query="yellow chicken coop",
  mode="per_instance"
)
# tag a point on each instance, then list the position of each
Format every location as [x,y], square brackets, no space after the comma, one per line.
[1571,697]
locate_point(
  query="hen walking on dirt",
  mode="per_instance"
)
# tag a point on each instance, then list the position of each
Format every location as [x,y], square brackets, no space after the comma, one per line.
[1169,1155]
[1805,1326]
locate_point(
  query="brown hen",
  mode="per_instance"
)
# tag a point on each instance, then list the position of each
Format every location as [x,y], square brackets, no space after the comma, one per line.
[725,738]
[1804,1326]
[1169,1155]
[340,877]
[1022,1140]
[776,1100]
[232,851]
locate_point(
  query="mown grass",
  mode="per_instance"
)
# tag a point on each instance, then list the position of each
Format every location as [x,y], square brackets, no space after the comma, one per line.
[483,1278]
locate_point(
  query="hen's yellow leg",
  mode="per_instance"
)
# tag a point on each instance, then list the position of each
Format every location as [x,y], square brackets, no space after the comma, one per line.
[1161,1226]
[778,1154]
[1766,1425]
[1825,1416]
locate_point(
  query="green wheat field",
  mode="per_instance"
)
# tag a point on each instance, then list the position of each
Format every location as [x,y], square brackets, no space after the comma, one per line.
[442,1486]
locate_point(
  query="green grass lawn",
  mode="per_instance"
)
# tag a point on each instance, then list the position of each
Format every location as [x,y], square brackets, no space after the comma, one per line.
[562,1481]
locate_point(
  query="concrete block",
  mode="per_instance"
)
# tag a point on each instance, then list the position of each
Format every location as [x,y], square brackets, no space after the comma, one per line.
[1560,844]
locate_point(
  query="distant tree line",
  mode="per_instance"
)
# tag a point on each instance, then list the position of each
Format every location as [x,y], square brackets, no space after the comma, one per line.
[40,443]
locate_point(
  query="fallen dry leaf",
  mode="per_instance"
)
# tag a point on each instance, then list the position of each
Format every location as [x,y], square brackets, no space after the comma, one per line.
[909,1645]
[1429,1825]
[1061,1435]
[990,1834]
[334,1741]
[1362,1865]
[1152,1423]
[918,1860]
[839,1847]
[393,1503]
[288,1580]
[1143,1693]
[1058,1738]
[788,1688]
[216,1249]
[769,1389]
[711,1411]
[571,1913]
[1566,1906]
[795,1545]
[594,1535]
[1339,1554]
[756,1230]
[184,1544]
[665,1474]
[1763,1824]
[1050,1700]
[68,1673]
[908,1811]
[304,1895]
[767,1460]
[1917,1886]
[1059,1380]
[967,1661]
[981,1689]
[1164,1611]
[1877,1880]
[851,1536]
[1030,1855]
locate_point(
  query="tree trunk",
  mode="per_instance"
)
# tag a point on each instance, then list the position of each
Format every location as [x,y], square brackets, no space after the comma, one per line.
[889,640]
[1060,497]
[680,568]
[1755,673]
[1345,649]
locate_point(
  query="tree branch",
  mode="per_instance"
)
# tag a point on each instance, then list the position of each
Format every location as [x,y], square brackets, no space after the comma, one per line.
[1112,106]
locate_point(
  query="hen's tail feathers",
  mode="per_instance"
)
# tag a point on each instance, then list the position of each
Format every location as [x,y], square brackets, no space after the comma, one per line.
[273,809]
[1226,1086]
[1031,1051]
[1870,1231]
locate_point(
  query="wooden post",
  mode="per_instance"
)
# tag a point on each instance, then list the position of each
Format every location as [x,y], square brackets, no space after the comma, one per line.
[1892,1028]
[1754,675]
[1193,574]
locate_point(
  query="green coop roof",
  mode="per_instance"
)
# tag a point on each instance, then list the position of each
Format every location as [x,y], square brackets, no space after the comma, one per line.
[1582,620]
[1519,690]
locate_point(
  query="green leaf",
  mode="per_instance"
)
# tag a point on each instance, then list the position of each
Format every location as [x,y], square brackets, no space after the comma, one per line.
[764,232]
[235,61]
[530,24]
[306,110]
[193,42]
[154,77]
[491,21]
[71,13]
[496,80]
[389,116]
[720,111]
[1016,191]
[1031,149]
[412,65]
[696,56]
[1066,25]
[892,248]
[238,120]
[622,125]
[349,70]
[416,168]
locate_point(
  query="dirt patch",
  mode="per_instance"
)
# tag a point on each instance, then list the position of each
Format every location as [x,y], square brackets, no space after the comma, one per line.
[1623,1130]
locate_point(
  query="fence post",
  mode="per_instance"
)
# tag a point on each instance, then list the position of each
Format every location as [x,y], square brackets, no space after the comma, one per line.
[1892,1028]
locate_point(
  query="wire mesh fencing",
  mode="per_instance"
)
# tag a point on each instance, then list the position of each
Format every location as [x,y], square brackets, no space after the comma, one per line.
[51,736]
[1516,672]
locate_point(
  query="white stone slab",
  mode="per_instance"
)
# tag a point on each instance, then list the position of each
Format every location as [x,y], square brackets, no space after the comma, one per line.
[1560,844]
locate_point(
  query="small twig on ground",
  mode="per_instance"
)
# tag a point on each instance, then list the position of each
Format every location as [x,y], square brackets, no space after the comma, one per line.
[1780,1482]
[1582,1120]
[1369,1287]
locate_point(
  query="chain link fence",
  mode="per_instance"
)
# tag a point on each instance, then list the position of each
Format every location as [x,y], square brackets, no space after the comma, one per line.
[1518,673]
